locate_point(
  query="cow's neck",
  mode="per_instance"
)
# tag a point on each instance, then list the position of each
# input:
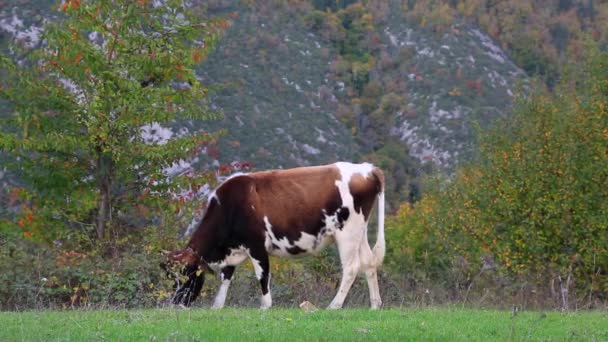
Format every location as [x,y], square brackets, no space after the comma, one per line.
[200,241]
[210,238]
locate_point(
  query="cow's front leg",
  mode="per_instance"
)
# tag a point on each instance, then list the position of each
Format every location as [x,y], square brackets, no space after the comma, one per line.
[262,271]
[226,277]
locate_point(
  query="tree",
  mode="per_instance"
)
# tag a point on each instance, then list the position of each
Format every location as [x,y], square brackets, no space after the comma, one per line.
[543,191]
[535,200]
[108,72]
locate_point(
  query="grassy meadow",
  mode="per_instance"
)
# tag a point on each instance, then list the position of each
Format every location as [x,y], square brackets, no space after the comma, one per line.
[233,324]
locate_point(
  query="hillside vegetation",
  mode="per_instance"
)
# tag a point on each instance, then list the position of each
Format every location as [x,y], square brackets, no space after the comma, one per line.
[532,207]
[541,36]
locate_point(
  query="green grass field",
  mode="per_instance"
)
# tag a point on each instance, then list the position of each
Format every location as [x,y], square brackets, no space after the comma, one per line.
[238,324]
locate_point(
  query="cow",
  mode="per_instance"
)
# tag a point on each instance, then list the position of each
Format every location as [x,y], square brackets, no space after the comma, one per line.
[286,213]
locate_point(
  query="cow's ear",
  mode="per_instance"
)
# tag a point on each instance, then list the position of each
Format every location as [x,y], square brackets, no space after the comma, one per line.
[187,257]
[171,256]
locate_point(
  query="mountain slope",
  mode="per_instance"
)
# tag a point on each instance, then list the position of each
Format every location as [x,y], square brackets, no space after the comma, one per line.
[452,81]
[272,75]
[290,96]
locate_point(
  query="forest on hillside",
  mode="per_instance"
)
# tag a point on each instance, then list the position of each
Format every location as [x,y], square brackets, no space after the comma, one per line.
[384,89]
[90,196]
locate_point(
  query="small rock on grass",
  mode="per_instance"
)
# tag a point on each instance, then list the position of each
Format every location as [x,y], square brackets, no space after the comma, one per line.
[308,306]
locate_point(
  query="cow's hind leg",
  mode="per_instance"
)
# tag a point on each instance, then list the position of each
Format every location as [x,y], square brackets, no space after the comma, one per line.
[368,265]
[226,276]
[261,265]
[348,247]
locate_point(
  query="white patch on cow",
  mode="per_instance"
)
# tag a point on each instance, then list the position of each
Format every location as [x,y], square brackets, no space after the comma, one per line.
[236,256]
[345,195]
[331,222]
[280,245]
[347,170]
[307,242]
[257,268]
[220,298]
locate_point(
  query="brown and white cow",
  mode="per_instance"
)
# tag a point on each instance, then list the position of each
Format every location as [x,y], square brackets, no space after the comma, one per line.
[284,213]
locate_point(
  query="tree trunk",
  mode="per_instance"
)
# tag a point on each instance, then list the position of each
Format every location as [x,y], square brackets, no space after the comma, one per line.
[104,215]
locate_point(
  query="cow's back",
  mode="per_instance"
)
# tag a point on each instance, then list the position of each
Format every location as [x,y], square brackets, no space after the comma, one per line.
[294,200]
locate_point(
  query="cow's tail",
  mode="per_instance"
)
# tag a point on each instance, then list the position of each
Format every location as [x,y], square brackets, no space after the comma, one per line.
[380,247]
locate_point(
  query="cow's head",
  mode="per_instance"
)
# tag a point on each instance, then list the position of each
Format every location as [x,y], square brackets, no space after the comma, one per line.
[187,269]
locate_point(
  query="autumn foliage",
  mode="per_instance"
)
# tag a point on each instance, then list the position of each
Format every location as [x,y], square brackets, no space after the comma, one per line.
[87,188]
[80,103]
[534,204]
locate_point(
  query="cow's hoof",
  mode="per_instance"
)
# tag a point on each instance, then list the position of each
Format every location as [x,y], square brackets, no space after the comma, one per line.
[266,302]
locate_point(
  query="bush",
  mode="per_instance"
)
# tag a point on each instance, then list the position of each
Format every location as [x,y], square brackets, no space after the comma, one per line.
[36,277]
[535,200]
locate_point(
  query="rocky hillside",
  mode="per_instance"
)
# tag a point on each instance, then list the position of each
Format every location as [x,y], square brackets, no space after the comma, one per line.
[275,90]
[281,87]
[452,80]
[280,90]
